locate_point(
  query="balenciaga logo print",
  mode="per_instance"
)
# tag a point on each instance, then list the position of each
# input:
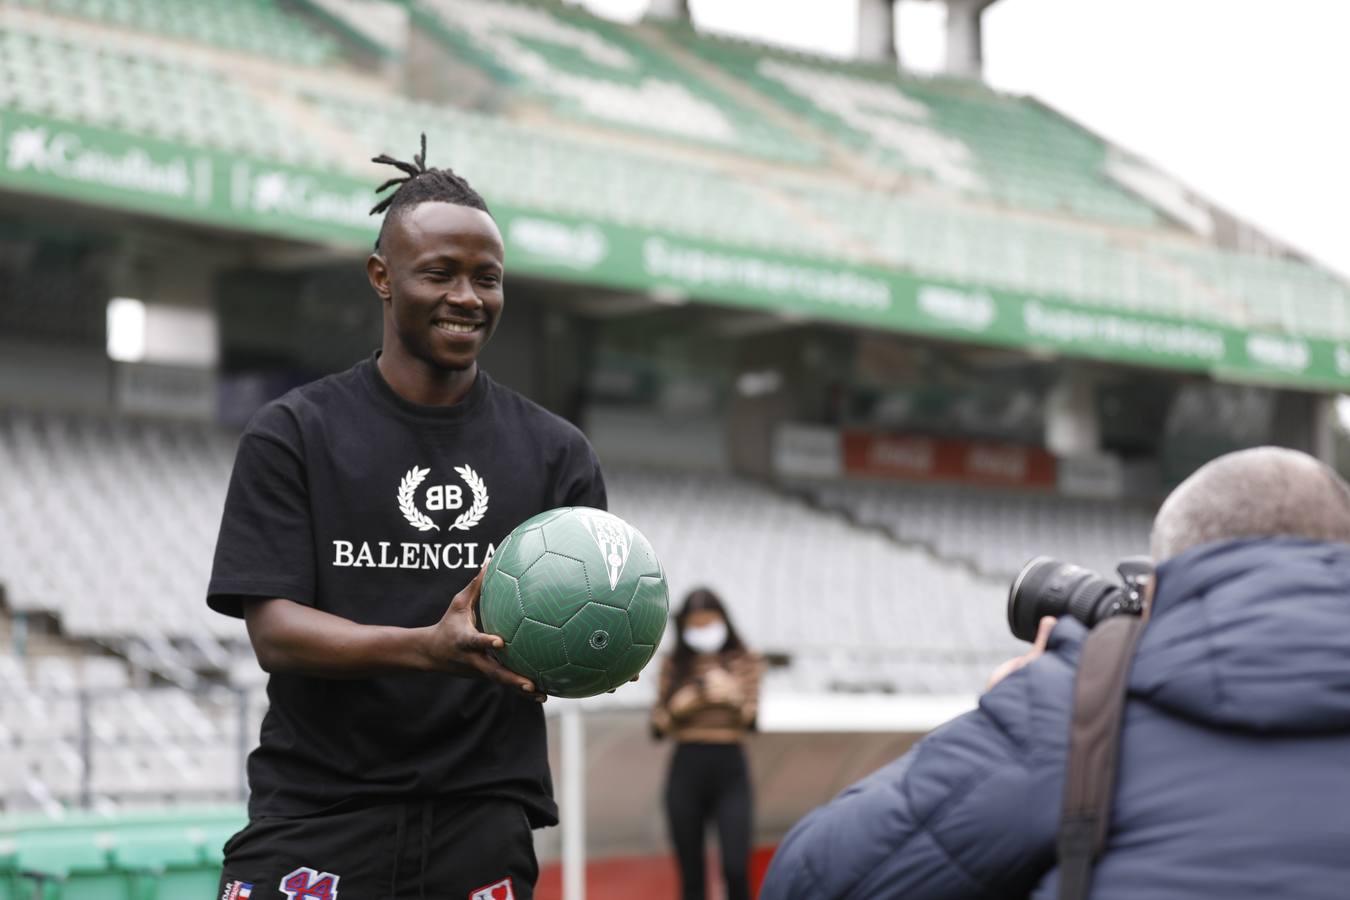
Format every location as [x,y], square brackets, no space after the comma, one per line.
[614,538]
[442,497]
[467,498]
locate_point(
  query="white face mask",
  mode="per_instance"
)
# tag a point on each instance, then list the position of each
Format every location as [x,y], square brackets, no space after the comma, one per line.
[706,638]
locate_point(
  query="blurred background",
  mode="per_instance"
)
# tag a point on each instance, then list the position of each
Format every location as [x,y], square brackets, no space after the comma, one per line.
[854,338]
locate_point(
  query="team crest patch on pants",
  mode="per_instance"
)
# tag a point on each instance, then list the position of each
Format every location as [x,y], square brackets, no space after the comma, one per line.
[237,890]
[498,890]
[306,884]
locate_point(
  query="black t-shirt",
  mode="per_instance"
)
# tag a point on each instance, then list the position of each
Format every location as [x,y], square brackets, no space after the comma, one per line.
[350,499]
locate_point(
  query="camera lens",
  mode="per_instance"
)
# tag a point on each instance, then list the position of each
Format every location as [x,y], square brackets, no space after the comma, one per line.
[1048,587]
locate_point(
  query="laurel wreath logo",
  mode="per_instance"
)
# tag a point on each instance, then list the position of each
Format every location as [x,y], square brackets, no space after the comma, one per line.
[407,500]
[407,491]
[474,514]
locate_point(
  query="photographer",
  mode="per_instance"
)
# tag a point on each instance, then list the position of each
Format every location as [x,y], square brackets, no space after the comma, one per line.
[1233,776]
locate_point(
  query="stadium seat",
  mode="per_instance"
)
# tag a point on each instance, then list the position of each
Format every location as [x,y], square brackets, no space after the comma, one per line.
[11,883]
[587,68]
[248,26]
[48,71]
[996,532]
[166,863]
[841,601]
[532,167]
[146,497]
[70,866]
[952,132]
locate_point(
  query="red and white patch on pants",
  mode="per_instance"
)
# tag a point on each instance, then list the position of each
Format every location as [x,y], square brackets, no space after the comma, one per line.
[498,890]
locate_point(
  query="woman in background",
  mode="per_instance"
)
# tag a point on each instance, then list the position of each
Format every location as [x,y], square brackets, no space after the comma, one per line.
[707,702]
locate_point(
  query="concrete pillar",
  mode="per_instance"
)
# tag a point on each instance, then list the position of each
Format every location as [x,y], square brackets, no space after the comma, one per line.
[669,10]
[1072,427]
[1324,428]
[965,42]
[876,31]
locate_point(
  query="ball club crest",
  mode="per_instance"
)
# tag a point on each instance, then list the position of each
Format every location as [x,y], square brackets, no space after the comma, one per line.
[613,536]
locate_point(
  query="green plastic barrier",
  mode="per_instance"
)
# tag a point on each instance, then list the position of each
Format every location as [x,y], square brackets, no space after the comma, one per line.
[164,854]
[166,863]
[70,865]
[9,871]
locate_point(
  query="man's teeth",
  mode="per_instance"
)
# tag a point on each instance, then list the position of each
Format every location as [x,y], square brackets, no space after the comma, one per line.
[456,327]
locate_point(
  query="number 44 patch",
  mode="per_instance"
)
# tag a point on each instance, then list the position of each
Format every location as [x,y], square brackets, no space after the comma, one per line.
[498,890]
[306,884]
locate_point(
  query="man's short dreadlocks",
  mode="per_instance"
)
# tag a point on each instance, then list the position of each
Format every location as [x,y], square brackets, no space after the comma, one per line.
[422,185]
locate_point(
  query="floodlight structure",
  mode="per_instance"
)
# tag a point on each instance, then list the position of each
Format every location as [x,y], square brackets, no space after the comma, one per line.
[669,10]
[965,42]
[965,38]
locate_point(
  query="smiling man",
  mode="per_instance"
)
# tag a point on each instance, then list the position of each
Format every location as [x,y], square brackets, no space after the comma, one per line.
[398,758]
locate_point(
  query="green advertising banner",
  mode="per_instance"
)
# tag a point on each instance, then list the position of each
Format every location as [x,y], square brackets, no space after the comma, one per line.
[90,165]
[880,298]
[141,174]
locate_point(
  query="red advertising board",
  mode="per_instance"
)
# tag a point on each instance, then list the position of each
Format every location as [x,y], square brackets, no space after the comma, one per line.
[870,455]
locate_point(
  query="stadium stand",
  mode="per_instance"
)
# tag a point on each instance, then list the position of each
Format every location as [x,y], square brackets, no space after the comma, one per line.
[166,855]
[525,166]
[587,68]
[114,522]
[1274,292]
[45,71]
[144,499]
[75,729]
[999,250]
[954,133]
[844,603]
[259,27]
[1042,218]
[995,532]
[145,697]
[529,167]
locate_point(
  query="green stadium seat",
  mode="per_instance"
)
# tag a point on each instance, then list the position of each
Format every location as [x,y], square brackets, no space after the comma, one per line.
[587,68]
[11,884]
[50,73]
[166,863]
[954,132]
[70,865]
[530,167]
[149,854]
[250,26]
[214,838]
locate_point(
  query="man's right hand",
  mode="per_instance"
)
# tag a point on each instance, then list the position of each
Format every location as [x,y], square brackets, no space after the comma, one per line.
[297,638]
[456,643]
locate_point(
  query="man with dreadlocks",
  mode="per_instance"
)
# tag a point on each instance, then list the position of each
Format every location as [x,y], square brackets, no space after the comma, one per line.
[398,757]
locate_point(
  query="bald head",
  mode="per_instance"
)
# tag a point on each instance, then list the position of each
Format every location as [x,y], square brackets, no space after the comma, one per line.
[1265,491]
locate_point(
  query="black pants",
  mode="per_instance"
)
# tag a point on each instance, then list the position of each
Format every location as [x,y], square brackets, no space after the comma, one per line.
[710,782]
[480,849]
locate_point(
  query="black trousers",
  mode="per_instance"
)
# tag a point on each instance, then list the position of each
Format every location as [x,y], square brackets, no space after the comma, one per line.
[478,849]
[710,782]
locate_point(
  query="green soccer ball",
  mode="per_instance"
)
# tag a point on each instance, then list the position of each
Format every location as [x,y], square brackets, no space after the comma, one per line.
[580,599]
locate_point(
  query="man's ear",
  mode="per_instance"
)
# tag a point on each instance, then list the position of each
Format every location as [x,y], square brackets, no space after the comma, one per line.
[377,270]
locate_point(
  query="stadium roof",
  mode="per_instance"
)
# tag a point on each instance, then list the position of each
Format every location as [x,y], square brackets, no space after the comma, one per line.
[652,158]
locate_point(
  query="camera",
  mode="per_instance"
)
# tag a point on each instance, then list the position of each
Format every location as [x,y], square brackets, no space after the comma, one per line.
[1051,587]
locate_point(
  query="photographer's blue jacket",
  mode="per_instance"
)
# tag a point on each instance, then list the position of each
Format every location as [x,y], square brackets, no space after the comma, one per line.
[1234,777]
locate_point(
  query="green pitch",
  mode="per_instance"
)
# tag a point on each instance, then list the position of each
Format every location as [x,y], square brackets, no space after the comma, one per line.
[580,599]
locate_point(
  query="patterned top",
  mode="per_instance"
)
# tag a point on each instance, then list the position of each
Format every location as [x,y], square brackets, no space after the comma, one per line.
[717,701]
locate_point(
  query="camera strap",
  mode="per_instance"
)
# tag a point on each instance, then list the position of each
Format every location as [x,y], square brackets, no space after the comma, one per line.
[1094,745]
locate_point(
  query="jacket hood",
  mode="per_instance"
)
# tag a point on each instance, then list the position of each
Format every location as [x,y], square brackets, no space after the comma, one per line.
[1252,635]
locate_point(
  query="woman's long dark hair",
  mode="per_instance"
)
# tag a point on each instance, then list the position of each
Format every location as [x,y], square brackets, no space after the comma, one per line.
[698,600]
